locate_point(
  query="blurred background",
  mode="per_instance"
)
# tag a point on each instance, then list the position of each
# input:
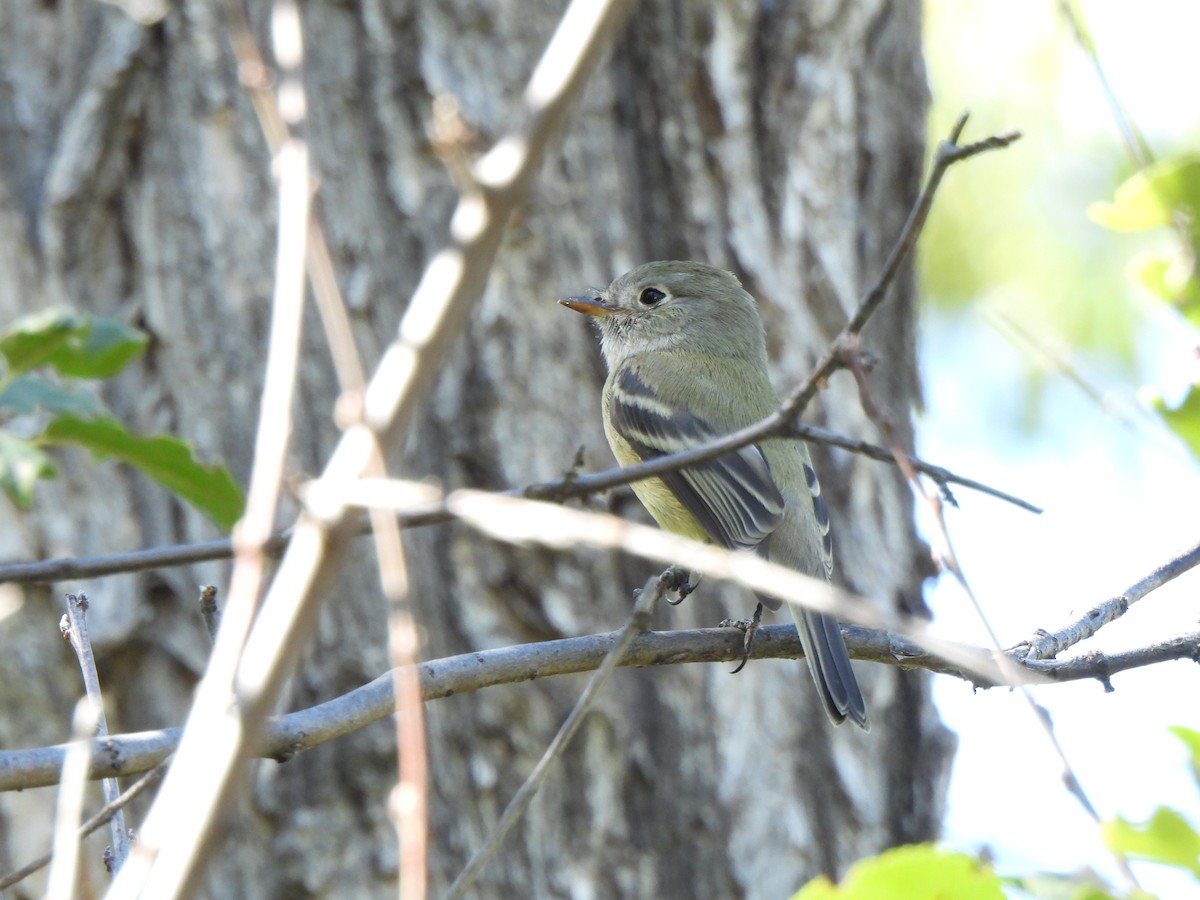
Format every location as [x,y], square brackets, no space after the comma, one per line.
[1042,350]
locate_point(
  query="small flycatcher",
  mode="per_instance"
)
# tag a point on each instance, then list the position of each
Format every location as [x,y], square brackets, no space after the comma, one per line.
[687,363]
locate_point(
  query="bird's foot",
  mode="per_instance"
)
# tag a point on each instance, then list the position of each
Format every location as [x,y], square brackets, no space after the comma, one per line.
[749,627]
[681,582]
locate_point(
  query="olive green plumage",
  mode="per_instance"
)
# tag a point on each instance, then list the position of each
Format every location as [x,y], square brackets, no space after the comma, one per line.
[687,362]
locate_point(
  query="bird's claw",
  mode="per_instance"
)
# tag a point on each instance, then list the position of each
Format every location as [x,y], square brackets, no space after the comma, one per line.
[680,581]
[749,627]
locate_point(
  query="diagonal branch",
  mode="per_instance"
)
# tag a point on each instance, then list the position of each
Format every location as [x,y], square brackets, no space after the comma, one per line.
[74,627]
[78,567]
[948,153]
[1047,645]
[179,831]
[525,522]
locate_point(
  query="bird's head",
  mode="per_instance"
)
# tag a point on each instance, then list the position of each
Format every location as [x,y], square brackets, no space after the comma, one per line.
[674,306]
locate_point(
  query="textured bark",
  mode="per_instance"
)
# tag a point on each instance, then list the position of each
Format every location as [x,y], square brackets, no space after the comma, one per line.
[782,141]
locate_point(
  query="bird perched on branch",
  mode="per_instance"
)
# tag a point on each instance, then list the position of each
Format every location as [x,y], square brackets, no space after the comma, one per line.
[687,363]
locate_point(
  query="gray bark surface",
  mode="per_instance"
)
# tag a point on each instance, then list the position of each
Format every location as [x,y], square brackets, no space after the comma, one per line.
[781,141]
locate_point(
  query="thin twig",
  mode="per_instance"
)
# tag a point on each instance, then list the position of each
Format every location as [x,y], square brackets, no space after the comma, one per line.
[1101,666]
[76,568]
[75,629]
[941,476]
[582,485]
[948,153]
[1135,143]
[567,487]
[639,620]
[410,798]
[97,820]
[257,78]
[1047,645]
[948,560]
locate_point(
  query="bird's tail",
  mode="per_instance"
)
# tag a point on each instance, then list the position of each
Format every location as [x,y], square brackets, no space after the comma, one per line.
[830,666]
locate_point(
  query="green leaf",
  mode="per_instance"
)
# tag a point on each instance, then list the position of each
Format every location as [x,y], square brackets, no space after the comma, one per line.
[918,872]
[1184,419]
[26,394]
[78,345]
[1171,279]
[168,460]
[1191,740]
[1167,838]
[31,340]
[108,346]
[1152,197]
[21,465]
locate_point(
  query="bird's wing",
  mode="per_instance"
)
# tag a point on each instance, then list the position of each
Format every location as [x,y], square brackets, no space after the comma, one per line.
[733,497]
[821,513]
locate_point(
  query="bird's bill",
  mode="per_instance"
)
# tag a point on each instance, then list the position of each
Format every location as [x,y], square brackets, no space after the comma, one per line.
[589,306]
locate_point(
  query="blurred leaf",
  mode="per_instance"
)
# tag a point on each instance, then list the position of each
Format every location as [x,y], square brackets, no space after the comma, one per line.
[1167,838]
[108,347]
[31,340]
[26,394]
[78,345]
[1152,197]
[1184,419]
[21,465]
[168,460]
[1171,279]
[1191,740]
[918,872]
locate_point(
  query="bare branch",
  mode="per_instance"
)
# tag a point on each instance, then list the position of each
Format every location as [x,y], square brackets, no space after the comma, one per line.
[1103,665]
[410,798]
[452,676]
[75,568]
[75,629]
[1047,645]
[583,485]
[80,567]
[941,476]
[948,153]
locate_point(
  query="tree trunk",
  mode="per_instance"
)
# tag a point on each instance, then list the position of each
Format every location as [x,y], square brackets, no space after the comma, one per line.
[781,141]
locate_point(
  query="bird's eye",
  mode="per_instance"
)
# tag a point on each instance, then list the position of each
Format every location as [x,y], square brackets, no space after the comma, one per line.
[651,296]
